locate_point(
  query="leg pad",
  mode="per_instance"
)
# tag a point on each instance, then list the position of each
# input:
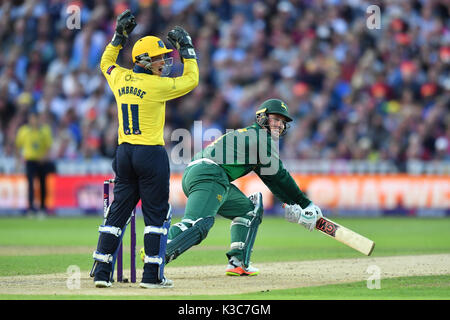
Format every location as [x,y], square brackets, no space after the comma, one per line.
[250,222]
[189,236]
[162,232]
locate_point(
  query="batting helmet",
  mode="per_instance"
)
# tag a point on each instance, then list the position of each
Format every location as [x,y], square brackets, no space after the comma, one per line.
[269,107]
[274,106]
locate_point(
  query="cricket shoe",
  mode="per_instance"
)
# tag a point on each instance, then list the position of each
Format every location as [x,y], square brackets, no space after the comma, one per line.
[165,283]
[235,268]
[102,284]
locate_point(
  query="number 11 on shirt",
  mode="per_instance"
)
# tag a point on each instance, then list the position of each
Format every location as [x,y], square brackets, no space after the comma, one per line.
[134,119]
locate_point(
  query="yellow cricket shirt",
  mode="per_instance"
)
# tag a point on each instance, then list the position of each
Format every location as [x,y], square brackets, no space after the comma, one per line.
[141,97]
[35,143]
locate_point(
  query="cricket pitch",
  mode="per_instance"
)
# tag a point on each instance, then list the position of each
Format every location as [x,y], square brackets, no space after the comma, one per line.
[211,280]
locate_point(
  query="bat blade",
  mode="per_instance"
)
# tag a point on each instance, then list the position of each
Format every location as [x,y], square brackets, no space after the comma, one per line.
[346,236]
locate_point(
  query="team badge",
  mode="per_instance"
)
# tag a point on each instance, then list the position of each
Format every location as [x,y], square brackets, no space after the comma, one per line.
[160,44]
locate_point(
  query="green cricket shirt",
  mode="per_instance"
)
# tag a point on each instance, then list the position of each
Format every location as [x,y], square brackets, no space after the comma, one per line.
[252,148]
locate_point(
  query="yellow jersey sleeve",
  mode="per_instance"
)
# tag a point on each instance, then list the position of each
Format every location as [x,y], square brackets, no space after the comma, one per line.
[171,88]
[108,65]
[141,97]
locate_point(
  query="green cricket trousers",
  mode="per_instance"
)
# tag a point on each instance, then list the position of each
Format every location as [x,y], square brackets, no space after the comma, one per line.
[209,192]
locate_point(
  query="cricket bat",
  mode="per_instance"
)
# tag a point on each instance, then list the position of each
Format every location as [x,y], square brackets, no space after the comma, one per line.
[346,236]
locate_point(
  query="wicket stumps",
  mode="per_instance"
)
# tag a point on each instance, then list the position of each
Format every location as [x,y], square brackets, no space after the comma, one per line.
[119,256]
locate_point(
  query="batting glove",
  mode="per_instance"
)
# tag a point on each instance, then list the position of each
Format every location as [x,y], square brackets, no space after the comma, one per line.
[306,217]
[292,213]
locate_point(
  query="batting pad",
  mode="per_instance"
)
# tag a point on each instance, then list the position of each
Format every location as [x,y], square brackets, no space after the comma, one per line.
[189,237]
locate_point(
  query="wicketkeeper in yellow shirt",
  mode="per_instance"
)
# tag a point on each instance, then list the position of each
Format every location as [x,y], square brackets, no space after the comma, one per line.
[141,163]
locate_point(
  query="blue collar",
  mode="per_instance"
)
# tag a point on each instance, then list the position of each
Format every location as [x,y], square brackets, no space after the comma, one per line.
[139,69]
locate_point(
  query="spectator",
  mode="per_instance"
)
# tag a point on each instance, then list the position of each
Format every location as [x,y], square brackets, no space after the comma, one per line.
[386,91]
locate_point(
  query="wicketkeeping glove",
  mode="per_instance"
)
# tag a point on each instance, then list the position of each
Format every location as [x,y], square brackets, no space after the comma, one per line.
[181,40]
[124,26]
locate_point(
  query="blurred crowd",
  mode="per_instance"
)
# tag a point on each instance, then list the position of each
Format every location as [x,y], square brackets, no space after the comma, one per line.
[355,92]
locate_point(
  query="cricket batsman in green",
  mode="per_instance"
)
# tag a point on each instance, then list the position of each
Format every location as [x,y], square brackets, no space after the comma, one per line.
[207,183]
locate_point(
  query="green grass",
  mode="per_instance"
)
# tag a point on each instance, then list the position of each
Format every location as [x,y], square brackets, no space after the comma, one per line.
[51,231]
[390,289]
[277,240]
[402,288]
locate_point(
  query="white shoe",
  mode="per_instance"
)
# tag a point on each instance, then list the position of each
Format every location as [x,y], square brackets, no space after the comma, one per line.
[165,283]
[103,284]
[236,268]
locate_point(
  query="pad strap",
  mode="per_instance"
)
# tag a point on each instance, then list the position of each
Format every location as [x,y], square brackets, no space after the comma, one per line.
[241,221]
[153,259]
[107,258]
[181,226]
[237,245]
[190,221]
[111,230]
[156,230]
